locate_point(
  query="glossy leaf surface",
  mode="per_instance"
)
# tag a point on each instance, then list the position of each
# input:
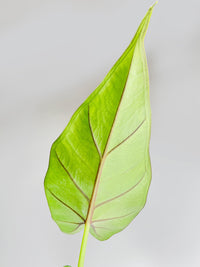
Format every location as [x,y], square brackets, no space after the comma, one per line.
[99,170]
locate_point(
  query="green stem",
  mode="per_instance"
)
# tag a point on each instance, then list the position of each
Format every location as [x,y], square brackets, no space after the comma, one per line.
[83,245]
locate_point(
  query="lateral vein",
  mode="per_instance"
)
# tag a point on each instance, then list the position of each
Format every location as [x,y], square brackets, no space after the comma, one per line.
[122,194]
[113,218]
[71,178]
[65,204]
[68,222]
[126,137]
[90,126]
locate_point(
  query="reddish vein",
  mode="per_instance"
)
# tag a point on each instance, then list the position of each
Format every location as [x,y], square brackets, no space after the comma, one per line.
[127,137]
[72,179]
[101,227]
[95,231]
[122,194]
[101,163]
[113,218]
[93,134]
[65,204]
[69,222]
[77,228]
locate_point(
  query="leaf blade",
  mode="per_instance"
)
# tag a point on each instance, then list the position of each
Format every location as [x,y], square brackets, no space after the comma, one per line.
[97,142]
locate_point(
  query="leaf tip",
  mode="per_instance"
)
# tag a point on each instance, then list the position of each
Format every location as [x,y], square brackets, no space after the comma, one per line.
[154,5]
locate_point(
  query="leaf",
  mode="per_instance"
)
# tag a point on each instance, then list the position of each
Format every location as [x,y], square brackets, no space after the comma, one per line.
[99,170]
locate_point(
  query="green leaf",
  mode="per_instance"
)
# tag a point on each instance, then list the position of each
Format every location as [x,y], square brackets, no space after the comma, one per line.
[99,170]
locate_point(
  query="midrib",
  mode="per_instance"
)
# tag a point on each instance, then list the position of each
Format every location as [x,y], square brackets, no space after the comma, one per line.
[102,160]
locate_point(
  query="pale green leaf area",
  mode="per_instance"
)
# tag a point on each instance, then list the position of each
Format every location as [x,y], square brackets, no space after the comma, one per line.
[99,170]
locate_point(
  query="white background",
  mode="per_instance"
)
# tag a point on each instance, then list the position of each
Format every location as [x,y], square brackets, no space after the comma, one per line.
[53,54]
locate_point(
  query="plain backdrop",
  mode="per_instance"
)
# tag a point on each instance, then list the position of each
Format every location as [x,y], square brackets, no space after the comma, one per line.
[53,54]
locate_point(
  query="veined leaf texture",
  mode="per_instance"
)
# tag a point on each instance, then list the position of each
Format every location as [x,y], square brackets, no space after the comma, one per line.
[99,169]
